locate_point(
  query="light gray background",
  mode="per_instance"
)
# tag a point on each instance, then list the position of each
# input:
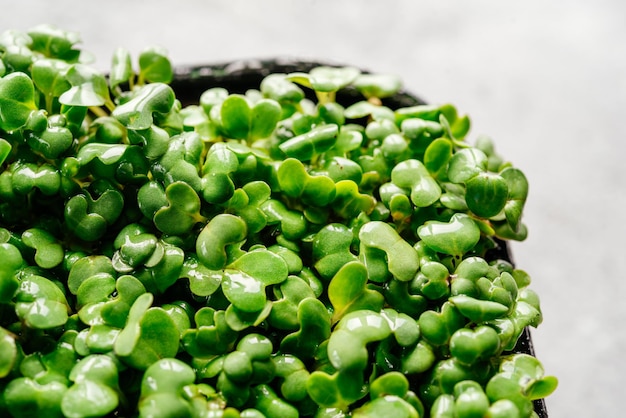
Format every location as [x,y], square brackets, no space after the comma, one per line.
[547,80]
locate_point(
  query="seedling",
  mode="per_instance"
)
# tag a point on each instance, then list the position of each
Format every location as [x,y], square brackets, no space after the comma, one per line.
[273,252]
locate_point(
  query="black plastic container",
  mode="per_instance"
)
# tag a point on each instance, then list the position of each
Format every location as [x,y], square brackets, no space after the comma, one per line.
[239,76]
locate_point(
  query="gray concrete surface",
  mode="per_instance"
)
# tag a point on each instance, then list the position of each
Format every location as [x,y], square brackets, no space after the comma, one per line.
[547,80]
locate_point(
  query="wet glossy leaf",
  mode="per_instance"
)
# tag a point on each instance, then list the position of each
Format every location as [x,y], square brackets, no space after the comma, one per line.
[471,345]
[246,278]
[89,87]
[95,390]
[53,41]
[437,156]
[5,150]
[49,252]
[17,100]
[296,182]
[413,175]
[26,397]
[466,164]
[486,194]
[455,237]
[478,310]
[50,76]
[182,212]
[214,239]
[41,303]
[348,292]
[137,113]
[149,335]
[316,141]
[401,257]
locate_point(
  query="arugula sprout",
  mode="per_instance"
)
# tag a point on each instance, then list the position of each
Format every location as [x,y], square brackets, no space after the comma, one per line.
[274,252]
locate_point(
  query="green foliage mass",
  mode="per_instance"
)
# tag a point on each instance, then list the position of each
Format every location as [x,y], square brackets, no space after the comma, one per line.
[277,253]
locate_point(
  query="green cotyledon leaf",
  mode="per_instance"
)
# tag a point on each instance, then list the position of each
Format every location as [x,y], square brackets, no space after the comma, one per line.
[246,278]
[155,66]
[348,292]
[89,87]
[401,257]
[455,237]
[137,113]
[182,211]
[150,334]
[17,100]
[40,303]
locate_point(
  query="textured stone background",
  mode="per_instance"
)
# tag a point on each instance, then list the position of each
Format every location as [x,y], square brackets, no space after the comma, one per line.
[547,80]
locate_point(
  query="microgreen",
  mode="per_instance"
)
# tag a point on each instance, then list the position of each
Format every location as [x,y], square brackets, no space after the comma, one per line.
[304,248]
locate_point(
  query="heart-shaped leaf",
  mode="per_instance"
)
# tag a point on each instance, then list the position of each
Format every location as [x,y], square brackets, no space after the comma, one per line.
[472,345]
[339,390]
[284,314]
[52,142]
[413,175]
[89,87]
[202,281]
[149,335]
[246,278]
[40,303]
[364,108]
[277,87]
[401,257]
[182,212]
[17,100]
[455,237]
[331,249]
[211,336]
[438,327]
[240,120]
[137,113]
[294,180]
[25,396]
[52,41]
[465,164]
[28,176]
[518,192]
[95,390]
[315,324]
[314,142]
[348,292]
[49,252]
[50,77]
